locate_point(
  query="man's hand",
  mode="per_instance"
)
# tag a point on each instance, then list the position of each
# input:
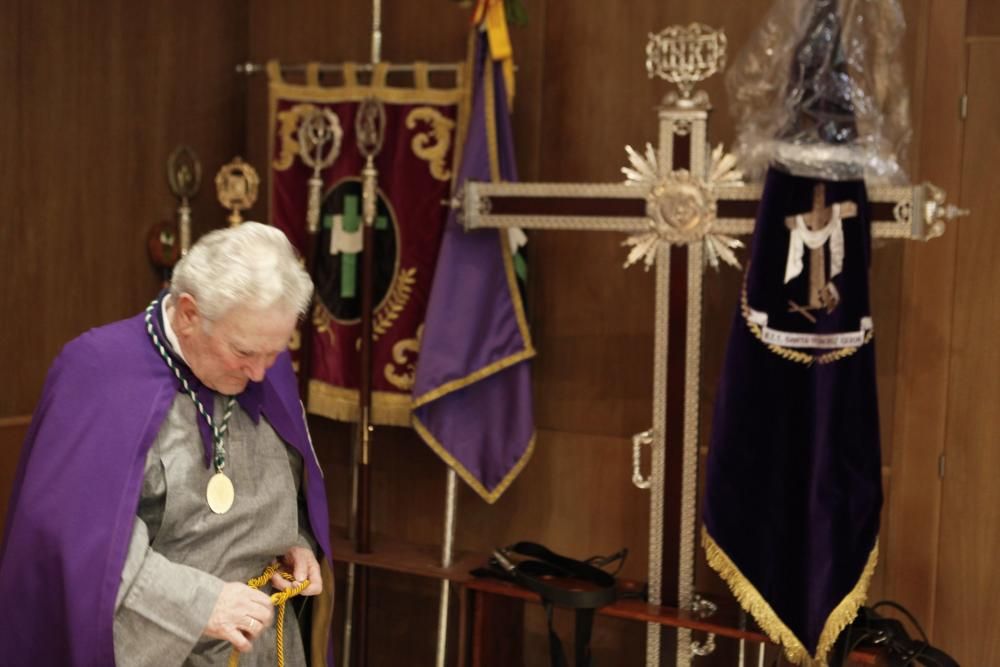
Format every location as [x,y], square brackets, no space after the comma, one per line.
[302,563]
[239,616]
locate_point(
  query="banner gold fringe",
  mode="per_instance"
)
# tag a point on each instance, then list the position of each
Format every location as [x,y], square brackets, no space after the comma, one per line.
[341,404]
[754,603]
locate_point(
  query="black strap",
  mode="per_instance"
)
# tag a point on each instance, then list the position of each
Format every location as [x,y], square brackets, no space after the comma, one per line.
[870,629]
[537,567]
[557,656]
[545,564]
[583,630]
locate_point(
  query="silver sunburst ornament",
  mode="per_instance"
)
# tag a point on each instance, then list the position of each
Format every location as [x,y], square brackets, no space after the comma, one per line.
[681,207]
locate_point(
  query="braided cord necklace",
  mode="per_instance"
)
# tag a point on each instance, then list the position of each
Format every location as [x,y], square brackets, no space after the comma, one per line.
[220,492]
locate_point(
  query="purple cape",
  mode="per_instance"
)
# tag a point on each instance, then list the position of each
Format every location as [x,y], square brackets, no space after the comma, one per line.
[77,488]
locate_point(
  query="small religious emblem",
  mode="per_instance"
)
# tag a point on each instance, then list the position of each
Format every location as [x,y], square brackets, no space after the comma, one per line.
[820,228]
[184,176]
[346,240]
[369,126]
[184,172]
[686,55]
[237,184]
[680,207]
[220,493]
[319,145]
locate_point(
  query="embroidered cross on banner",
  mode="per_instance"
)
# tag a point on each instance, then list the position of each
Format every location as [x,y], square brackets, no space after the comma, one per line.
[821,227]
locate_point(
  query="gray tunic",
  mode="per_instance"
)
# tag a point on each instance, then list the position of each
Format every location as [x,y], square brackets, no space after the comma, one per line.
[181,553]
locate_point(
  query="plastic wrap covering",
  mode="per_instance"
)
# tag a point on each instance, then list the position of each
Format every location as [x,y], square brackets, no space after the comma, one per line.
[819,91]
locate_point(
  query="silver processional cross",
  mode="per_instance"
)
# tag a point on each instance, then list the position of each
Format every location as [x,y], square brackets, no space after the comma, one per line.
[667,205]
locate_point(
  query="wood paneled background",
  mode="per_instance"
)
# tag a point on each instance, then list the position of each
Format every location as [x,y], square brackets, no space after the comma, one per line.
[97,94]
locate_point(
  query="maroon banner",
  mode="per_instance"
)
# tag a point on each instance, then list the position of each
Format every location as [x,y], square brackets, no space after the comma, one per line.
[415,168]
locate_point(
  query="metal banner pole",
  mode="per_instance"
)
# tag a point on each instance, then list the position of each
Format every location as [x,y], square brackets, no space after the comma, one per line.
[447,549]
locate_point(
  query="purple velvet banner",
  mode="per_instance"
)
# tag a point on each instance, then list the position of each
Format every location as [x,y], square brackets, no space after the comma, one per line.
[794,489]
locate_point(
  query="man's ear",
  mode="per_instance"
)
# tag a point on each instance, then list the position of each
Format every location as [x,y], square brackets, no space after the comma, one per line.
[186,315]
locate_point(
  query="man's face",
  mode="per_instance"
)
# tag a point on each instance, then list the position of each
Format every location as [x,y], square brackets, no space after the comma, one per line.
[238,347]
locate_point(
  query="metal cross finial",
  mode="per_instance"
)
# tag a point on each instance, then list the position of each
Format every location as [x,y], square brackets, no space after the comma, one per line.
[685,56]
[319,145]
[184,176]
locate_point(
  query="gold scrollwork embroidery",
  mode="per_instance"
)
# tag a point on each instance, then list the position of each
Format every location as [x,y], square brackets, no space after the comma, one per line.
[394,305]
[432,145]
[288,124]
[404,354]
[385,316]
[321,319]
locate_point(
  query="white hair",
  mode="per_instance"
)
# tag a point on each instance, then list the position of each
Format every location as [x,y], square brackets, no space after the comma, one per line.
[252,265]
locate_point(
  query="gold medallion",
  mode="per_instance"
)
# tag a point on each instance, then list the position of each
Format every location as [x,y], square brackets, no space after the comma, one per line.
[220,493]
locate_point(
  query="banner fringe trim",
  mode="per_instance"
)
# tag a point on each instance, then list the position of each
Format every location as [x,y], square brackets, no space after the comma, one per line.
[753,602]
[341,404]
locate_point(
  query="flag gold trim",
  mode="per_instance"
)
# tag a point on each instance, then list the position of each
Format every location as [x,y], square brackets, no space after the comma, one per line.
[753,602]
[470,479]
[515,294]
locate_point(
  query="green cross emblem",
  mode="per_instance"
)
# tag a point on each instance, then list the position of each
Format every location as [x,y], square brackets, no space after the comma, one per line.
[346,241]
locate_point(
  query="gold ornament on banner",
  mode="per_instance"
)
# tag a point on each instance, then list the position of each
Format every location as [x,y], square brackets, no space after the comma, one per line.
[433,144]
[288,124]
[236,184]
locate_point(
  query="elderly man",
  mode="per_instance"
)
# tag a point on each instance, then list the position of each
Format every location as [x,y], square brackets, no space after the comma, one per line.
[168,464]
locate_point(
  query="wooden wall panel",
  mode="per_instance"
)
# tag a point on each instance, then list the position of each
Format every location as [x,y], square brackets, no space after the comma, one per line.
[12,432]
[968,585]
[12,230]
[909,560]
[984,18]
[104,92]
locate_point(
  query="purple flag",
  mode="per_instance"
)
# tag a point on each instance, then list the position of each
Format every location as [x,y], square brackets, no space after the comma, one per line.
[472,395]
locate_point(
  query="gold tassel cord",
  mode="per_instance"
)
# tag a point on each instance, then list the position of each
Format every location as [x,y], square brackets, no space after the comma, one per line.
[278,600]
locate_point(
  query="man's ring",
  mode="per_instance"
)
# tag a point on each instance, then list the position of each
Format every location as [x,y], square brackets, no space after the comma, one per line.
[252,623]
